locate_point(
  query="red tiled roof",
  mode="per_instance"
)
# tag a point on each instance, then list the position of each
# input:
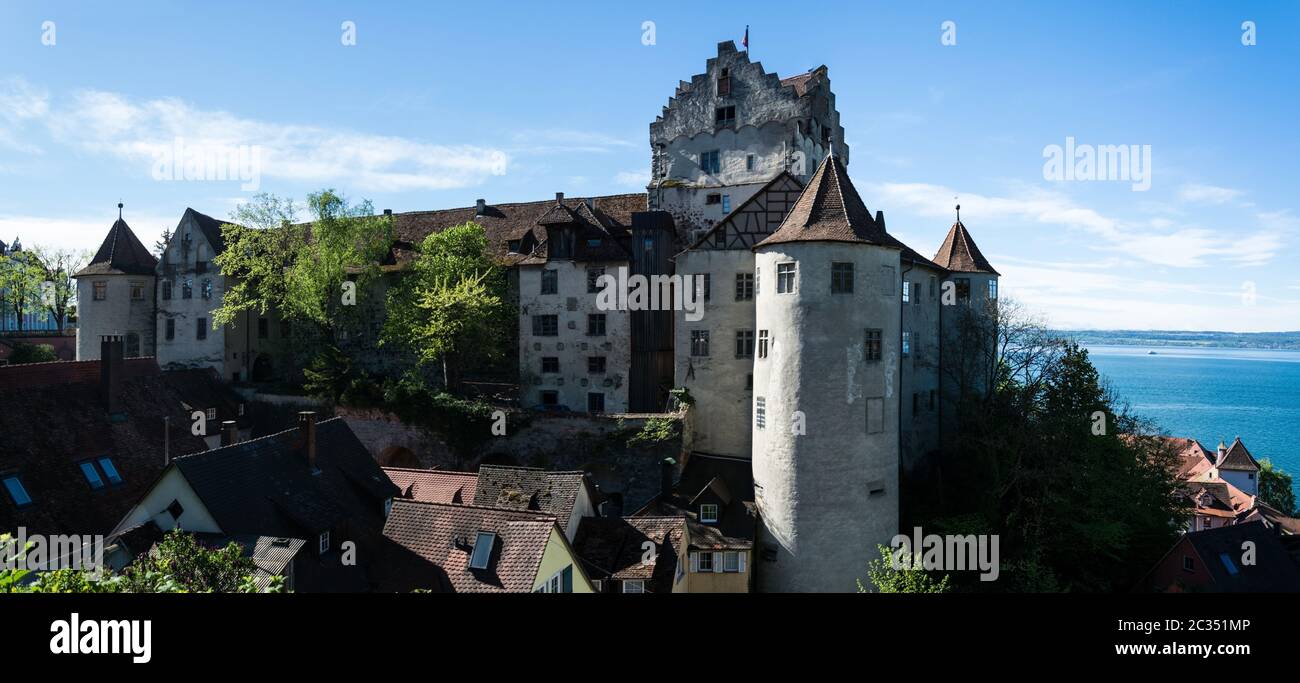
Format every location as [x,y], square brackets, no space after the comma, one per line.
[613,548]
[830,210]
[959,253]
[434,486]
[442,537]
[1238,458]
[69,372]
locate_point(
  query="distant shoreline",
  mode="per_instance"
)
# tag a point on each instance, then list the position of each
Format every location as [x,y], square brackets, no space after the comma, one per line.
[1285,341]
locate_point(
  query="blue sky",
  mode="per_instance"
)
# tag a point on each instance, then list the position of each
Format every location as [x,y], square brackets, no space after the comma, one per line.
[438,104]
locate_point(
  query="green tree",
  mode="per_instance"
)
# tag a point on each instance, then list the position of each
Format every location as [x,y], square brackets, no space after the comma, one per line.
[177,564]
[59,295]
[21,278]
[305,272]
[907,577]
[32,353]
[1275,488]
[450,306]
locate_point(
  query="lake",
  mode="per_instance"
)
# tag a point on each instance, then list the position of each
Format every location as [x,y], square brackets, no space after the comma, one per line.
[1212,394]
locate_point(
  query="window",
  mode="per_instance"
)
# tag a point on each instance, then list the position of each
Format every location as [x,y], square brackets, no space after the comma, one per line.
[593,274]
[388,507]
[137,291]
[596,365]
[744,343]
[916,402]
[550,398]
[201,331]
[704,562]
[560,582]
[546,325]
[872,349]
[757,272]
[595,324]
[785,278]
[1228,564]
[92,475]
[171,329]
[323,542]
[513,246]
[207,289]
[598,585]
[726,203]
[934,286]
[724,82]
[714,198]
[703,286]
[841,278]
[200,267]
[875,415]
[17,492]
[110,472]
[550,364]
[731,561]
[907,343]
[187,288]
[550,281]
[634,586]
[744,286]
[907,292]
[175,510]
[724,116]
[963,289]
[760,412]
[699,342]
[708,512]
[749,163]
[212,414]
[710,162]
[595,402]
[101,290]
[593,242]
[482,550]
[167,289]
[263,328]
[1188,563]
[762,343]
[993,289]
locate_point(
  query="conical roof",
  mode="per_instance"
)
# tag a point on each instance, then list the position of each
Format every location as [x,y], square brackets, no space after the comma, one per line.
[830,210]
[120,254]
[960,254]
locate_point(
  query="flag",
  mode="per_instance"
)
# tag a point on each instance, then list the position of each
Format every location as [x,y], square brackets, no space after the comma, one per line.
[745,42]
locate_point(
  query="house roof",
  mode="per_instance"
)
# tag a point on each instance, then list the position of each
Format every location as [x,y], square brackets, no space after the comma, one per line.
[210,227]
[1274,569]
[432,544]
[434,486]
[530,488]
[830,210]
[1238,458]
[121,253]
[47,460]
[725,481]
[265,486]
[959,253]
[614,548]
[1193,458]
[505,223]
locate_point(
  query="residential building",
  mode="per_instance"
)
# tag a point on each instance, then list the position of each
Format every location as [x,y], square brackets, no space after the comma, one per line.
[1242,558]
[316,482]
[566,496]
[474,549]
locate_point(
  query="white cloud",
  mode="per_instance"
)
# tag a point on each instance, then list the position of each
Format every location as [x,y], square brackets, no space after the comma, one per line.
[82,232]
[139,131]
[1208,194]
[559,140]
[20,102]
[1149,241]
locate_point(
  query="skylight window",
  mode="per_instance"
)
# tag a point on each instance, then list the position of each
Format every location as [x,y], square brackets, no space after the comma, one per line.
[92,475]
[482,550]
[1228,564]
[110,472]
[17,492]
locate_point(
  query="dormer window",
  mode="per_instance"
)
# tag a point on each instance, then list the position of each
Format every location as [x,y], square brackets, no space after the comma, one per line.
[709,512]
[482,550]
[724,82]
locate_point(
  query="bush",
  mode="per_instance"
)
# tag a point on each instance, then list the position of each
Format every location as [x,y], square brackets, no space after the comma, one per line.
[32,353]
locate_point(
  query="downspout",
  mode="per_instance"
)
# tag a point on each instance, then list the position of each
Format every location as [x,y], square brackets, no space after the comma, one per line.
[902,278]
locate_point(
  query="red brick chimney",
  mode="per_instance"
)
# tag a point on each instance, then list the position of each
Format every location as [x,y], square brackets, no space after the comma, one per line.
[111,367]
[307,435]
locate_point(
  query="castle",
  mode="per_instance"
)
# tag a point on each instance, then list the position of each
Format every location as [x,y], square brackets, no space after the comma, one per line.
[827,353]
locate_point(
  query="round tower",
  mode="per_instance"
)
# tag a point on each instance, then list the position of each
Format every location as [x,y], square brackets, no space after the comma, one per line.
[826,395]
[115,295]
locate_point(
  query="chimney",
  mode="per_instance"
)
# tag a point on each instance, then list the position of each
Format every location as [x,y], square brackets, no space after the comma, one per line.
[480,207]
[591,203]
[666,477]
[307,434]
[559,197]
[1223,450]
[880,220]
[229,433]
[110,371]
